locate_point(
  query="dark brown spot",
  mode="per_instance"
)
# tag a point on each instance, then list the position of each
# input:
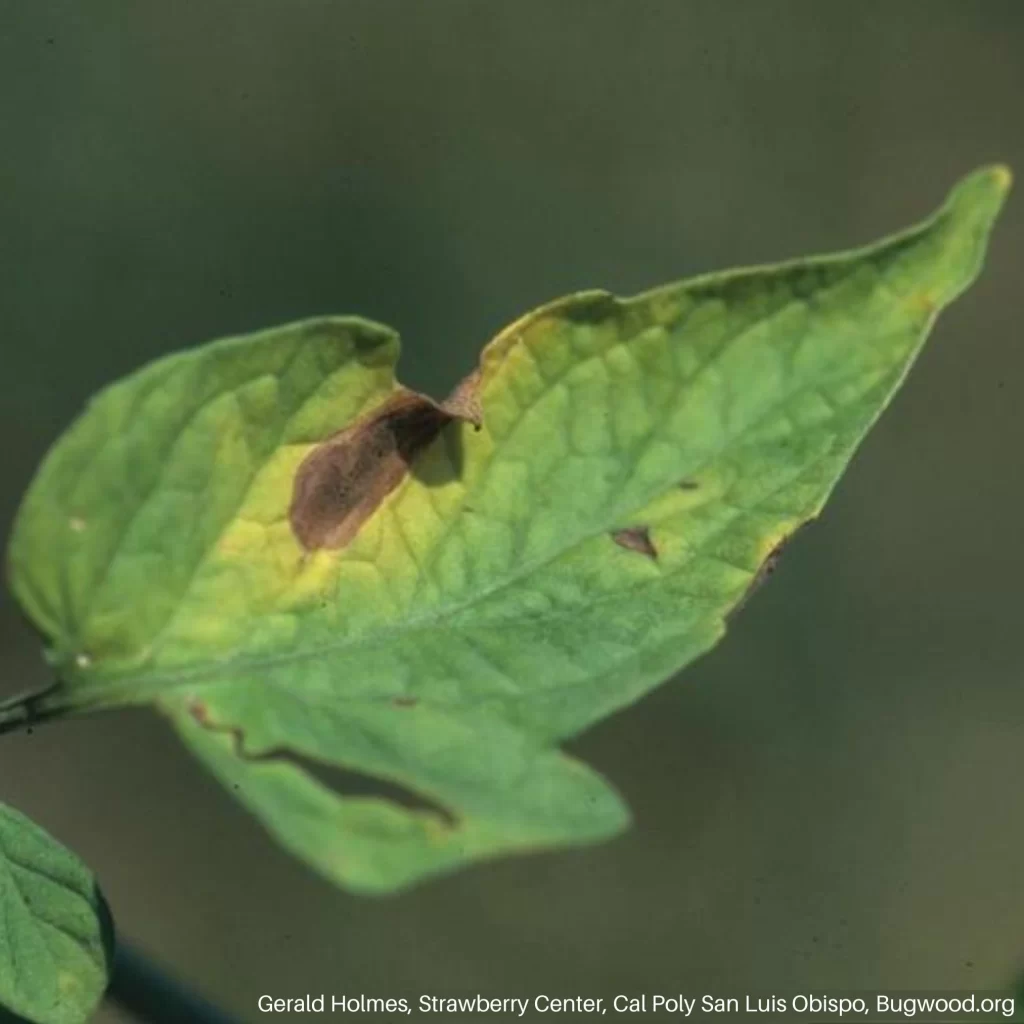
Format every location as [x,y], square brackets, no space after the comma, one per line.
[688,485]
[768,567]
[198,710]
[343,481]
[404,701]
[636,538]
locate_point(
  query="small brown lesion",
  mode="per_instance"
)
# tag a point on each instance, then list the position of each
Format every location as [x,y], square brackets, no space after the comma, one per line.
[343,481]
[404,701]
[199,711]
[688,485]
[768,566]
[764,572]
[636,538]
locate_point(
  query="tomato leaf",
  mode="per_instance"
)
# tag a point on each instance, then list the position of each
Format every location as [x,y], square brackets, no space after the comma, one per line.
[56,937]
[295,558]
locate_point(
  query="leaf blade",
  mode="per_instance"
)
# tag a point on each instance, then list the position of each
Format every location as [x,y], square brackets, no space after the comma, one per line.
[56,939]
[625,472]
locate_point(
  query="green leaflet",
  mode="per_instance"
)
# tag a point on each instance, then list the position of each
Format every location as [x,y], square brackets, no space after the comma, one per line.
[56,938]
[290,554]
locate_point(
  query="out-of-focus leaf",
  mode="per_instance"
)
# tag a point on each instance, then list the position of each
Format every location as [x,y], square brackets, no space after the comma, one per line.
[56,938]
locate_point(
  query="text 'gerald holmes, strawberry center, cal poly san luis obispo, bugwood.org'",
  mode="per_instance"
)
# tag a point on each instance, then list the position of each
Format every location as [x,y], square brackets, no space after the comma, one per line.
[943,1006]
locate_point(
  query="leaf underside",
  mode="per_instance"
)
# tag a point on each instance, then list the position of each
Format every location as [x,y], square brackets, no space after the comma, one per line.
[56,939]
[290,554]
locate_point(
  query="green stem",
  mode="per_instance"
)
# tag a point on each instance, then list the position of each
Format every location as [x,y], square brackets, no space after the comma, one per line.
[149,995]
[26,709]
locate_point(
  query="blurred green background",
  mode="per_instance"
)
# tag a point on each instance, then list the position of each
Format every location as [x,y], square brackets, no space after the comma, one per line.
[829,800]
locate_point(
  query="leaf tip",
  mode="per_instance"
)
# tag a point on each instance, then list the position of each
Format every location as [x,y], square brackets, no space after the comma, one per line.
[977,199]
[1003,176]
[954,241]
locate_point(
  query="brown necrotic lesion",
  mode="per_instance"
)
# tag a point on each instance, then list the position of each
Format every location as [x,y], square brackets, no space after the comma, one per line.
[636,538]
[343,481]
